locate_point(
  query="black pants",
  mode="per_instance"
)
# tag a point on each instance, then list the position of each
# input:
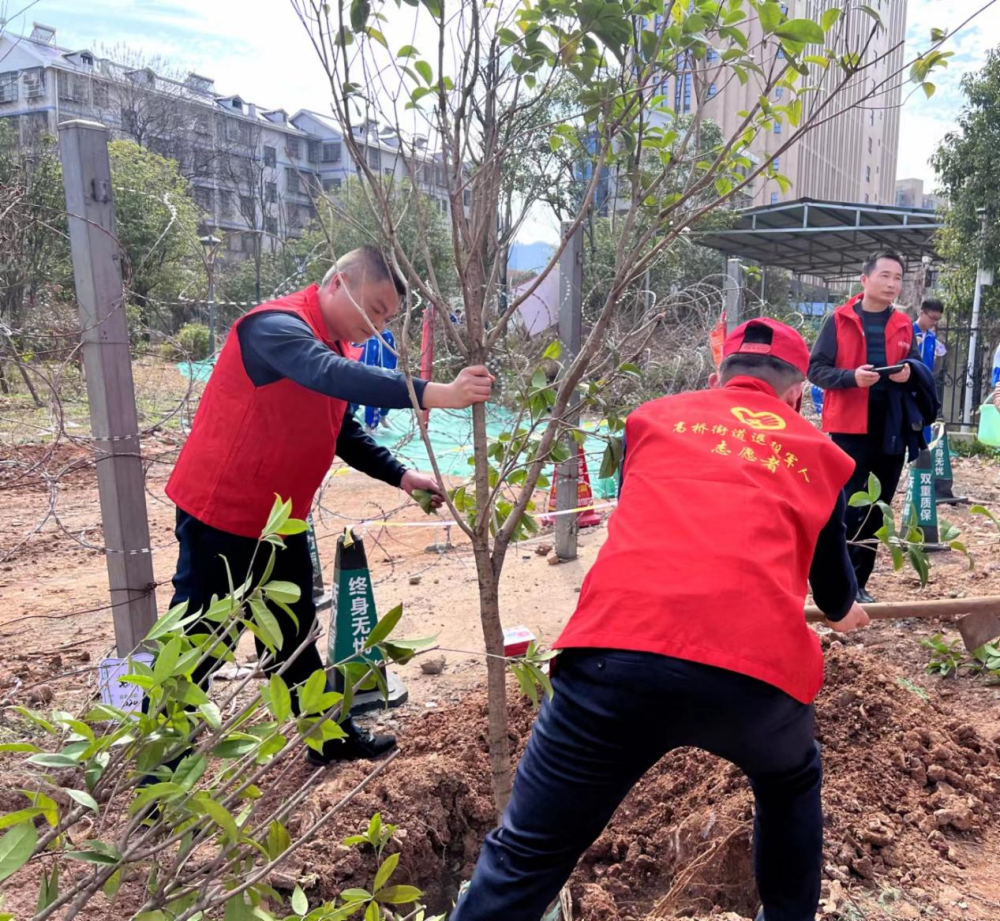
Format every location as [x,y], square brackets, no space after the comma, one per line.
[201,573]
[869,457]
[613,716]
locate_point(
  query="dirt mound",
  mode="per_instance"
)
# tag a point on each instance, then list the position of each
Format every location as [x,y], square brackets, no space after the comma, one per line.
[905,788]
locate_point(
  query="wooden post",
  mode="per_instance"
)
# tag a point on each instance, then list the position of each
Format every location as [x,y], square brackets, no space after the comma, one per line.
[114,421]
[571,335]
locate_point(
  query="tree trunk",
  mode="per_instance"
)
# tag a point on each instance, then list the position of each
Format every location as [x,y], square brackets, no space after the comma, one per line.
[496,675]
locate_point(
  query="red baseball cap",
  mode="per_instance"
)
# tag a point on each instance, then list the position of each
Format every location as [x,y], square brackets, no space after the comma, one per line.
[765,336]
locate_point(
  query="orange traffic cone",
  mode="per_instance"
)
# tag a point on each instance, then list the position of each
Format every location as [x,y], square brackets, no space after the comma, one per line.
[584,496]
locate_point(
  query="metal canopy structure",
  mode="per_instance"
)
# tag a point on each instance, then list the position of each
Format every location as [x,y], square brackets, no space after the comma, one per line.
[824,239]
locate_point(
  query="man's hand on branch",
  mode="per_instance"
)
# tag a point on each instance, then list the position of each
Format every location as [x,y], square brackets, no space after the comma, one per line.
[471,386]
[413,480]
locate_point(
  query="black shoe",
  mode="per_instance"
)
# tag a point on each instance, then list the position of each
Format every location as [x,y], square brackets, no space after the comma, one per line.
[359,745]
[863,597]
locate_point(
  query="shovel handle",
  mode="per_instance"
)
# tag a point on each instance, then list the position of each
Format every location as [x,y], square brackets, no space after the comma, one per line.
[899,610]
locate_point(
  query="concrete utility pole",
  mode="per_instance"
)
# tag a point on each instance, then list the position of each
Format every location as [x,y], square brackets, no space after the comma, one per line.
[983,277]
[571,335]
[110,391]
[732,293]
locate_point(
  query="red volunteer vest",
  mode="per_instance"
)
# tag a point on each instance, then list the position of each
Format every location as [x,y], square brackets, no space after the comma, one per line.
[249,443]
[708,553]
[845,411]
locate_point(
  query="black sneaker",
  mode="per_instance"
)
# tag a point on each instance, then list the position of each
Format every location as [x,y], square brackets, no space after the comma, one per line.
[359,745]
[863,597]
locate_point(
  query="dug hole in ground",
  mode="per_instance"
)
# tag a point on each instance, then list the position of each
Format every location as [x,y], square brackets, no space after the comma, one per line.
[912,787]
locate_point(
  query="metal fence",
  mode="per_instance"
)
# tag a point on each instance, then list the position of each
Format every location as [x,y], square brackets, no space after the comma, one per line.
[952,374]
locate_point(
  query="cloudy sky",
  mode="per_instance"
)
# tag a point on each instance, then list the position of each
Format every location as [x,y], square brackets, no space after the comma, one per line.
[258,48]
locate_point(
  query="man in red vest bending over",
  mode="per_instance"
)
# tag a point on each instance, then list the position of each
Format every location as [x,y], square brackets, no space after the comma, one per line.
[690,632]
[270,422]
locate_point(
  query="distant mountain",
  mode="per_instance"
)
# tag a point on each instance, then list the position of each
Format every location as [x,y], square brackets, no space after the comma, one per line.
[530,257]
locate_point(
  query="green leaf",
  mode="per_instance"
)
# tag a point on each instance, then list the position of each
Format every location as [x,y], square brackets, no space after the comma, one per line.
[829,18]
[612,458]
[19,747]
[112,885]
[355,895]
[868,11]
[267,623]
[83,798]
[293,526]
[52,760]
[407,51]
[280,513]
[16,848]
[166,660]
[16,818]
[385,871]
[231,749]
[278,839]
[280,703]
[300,904]
[98,857]
[311,693]
[801,30]
[384,627]
[398,895]
[286,592]
[425,499]
[928,88]
[49,891]
[360,11]
[190,770]
[770,16]
[373,912]
[221,816]
[424,69]
[553,351]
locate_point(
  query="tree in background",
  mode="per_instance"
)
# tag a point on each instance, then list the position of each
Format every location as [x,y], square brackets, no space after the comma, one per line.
[965,164]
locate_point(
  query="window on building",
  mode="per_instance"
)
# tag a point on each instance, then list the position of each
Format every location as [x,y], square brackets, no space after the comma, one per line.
[249,242]
[776,163]
[387,172]
[225,203]
[777,127]
[331,152]
[712,90]
[779,91]
[202,124]
[100,92]
[204,198]
[292,180]
[248,208]
[271,192]
[869,145]
[784,9]
[233,243]
[682,92]
[202,162]
[774,198]
[330,184]
[270,156]
[713,56]
[8,88]
[374,158]
[314,150]
[871,118]
[293,147]
[781,54]
[440,177]
[868,174]
[467,198]
[271,226]
[867,198]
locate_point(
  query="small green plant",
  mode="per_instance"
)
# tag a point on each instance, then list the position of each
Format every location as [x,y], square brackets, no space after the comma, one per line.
[531,673]
[946,657]
[172,799]
[907,685]
[190,344]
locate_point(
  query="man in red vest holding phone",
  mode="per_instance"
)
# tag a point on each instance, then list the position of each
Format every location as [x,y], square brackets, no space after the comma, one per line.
[867,360]
[690,632]
[271,420]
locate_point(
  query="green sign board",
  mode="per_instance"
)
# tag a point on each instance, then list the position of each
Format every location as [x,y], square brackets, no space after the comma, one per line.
[943,477]
[920,499]
[317,564]
[353,615]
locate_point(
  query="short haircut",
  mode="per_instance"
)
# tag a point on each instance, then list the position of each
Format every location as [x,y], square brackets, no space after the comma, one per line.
[366,263]
[931,305]
[874,258]
[779,374]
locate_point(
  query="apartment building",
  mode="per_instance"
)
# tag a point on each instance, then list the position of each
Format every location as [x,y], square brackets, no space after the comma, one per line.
[850,158]
[910,193]
[255,172]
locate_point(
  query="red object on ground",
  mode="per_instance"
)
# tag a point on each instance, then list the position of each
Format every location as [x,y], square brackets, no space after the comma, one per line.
[427,351]
[516,640]
[584,496]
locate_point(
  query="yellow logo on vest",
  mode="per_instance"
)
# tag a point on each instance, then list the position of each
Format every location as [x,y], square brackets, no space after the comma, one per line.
[762,421]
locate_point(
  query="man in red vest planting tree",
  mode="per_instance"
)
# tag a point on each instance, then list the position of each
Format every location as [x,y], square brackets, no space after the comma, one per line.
[868,362]
[690,631]
[271,419]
